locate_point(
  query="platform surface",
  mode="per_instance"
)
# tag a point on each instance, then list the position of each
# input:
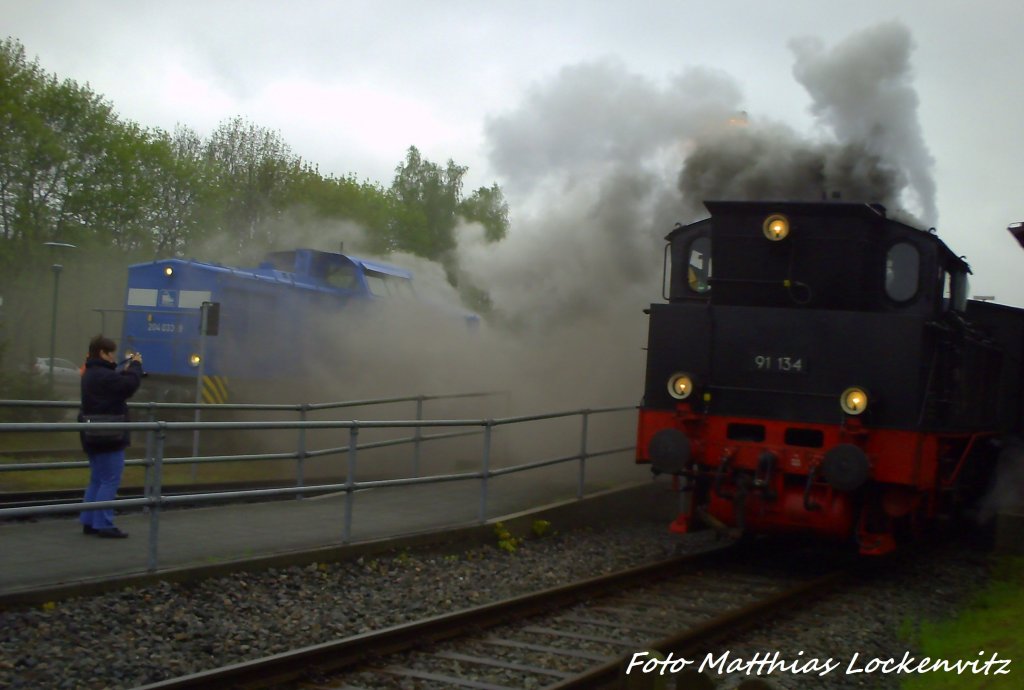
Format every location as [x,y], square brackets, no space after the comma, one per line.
[52,551]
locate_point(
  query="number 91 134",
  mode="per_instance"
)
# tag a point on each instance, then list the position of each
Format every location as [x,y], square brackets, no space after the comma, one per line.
[784,364]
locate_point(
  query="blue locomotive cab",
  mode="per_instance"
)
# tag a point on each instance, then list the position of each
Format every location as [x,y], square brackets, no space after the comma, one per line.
[348,274]
[264,315]
[162,309]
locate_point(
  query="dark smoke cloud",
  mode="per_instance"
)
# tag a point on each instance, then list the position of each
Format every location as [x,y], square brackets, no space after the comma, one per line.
[773,162]
[871,148]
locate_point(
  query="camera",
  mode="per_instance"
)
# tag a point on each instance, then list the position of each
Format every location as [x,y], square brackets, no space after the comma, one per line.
[129,357]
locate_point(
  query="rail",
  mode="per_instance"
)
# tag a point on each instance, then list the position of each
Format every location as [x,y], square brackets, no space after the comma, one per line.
[156,435]
[702,598]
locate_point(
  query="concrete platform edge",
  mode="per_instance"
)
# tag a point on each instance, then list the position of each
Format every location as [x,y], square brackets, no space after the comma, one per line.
[596,509]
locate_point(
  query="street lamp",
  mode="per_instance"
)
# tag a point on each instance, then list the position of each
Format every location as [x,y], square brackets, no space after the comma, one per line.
[57,268]
[1017,230]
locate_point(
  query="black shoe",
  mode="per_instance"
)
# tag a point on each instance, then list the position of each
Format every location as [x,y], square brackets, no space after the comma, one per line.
[111,533]
[86,529]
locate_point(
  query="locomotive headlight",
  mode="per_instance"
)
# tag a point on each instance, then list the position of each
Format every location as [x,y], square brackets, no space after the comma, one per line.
[680,386]
[854,400]
[194,360]
[776,227]
[168,271]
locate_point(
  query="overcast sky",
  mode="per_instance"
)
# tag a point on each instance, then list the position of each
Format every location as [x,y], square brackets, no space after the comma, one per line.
[350,85]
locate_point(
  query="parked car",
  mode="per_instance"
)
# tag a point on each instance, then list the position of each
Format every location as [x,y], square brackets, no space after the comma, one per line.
[65,372]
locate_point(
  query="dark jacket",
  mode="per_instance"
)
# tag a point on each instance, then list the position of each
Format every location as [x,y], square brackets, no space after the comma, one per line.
[105,390]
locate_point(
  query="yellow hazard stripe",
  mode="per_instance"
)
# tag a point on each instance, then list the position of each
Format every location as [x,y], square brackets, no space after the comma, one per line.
[215,389]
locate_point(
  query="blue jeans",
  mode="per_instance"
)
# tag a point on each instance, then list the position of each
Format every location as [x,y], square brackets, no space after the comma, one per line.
[105,471]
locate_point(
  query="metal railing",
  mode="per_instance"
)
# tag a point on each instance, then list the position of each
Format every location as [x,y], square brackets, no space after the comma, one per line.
[155,462]
[151,410]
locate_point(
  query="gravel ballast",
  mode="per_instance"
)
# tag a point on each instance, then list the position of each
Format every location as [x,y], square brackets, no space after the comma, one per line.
[141,635]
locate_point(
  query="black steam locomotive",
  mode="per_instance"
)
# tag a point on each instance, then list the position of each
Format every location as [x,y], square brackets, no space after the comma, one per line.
[819,368]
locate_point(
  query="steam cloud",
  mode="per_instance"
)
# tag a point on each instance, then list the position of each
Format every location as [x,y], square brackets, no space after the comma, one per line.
[1006,492]
[591,161]
[861,95]
[599,163]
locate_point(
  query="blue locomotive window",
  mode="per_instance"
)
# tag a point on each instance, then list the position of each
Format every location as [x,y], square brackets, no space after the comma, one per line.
[384,285]
[698,273]
[378,286]
[281,261]
[902,270]
[341,276]
[401,287]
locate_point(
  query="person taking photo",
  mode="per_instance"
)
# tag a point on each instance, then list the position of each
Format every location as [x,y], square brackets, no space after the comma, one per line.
[106,388]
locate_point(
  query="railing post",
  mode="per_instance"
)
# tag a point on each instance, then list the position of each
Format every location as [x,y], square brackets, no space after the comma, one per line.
[204,316]
[350,478]
[300,460]
[417,438]
[485,469]
[155,498]
[583,454]
[147,479]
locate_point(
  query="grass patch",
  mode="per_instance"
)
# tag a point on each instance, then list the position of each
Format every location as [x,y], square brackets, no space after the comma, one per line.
[993,622]
[33,440]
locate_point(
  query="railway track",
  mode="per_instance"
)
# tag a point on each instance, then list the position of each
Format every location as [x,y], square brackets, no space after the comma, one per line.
[581,635]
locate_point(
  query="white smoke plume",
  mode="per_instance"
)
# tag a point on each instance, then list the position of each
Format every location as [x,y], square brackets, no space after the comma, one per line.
[588,160]
[862,90]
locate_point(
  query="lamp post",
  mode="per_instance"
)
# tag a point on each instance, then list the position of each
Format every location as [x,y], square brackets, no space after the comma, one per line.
[57,268]
[1017,230]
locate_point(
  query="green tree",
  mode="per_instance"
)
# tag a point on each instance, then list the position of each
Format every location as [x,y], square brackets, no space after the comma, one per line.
[427,198]
[70,170]
[251,171]
[179,192]
[365,203]
[43,123]
[488,207]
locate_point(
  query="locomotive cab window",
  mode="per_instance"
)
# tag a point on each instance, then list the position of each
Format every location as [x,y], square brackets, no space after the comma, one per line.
[954,290]
[902,271]
[698,270]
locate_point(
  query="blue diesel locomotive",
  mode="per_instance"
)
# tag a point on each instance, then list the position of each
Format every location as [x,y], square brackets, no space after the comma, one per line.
[257,318]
